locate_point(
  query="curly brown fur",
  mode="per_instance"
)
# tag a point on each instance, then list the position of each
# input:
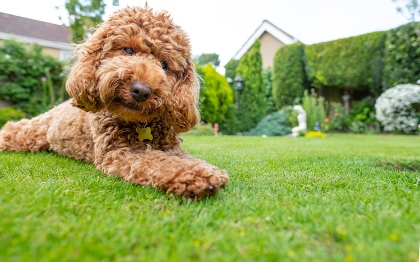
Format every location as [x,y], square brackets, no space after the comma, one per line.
[134,71]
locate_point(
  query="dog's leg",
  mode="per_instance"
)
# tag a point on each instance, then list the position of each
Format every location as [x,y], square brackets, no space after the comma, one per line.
[173,171]
[26,135]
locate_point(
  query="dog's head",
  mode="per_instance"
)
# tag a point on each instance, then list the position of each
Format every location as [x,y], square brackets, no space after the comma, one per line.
[137,65]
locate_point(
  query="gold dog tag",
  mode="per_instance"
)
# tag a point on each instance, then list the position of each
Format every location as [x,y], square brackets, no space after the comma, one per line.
[144,133]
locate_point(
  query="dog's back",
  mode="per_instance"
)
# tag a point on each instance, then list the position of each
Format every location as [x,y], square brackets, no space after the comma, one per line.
[64,130]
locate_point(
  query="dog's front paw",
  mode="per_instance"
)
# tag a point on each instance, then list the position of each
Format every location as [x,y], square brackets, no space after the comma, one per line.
[198,181]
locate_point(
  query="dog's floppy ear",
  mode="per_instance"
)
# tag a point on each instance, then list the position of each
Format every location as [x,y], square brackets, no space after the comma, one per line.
[81,81]
[183,109]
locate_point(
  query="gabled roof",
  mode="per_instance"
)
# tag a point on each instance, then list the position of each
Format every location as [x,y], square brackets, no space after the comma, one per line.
[266,26]
[21,26]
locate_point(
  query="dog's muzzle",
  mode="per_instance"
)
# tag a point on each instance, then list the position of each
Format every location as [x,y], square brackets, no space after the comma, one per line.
[139,91]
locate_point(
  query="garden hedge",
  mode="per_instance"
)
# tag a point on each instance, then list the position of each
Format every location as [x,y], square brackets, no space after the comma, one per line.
[354,63]
[402,55]
[289,77]
[371,62]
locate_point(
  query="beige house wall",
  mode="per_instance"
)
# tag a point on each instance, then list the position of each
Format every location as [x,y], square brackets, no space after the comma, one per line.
[51,51]
[268,49]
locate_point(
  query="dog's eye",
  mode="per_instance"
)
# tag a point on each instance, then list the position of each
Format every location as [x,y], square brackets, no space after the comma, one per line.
[128,51]
[164,65]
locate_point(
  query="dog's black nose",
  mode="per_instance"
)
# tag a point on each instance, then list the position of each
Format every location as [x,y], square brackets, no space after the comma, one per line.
[139,91]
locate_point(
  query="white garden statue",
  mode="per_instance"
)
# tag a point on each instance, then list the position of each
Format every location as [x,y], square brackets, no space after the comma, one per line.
[301,120]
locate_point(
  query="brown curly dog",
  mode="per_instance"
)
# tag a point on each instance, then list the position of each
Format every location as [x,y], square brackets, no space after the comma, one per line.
[134,90]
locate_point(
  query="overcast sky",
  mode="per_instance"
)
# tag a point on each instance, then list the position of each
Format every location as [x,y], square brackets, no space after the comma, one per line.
[223,26]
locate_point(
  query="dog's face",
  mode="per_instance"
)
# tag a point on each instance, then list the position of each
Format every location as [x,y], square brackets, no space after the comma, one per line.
[137,65]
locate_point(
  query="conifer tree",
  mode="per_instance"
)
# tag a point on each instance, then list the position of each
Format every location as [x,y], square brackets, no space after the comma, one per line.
[252,100]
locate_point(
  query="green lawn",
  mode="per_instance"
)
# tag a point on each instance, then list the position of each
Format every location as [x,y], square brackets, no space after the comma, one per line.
[342,198]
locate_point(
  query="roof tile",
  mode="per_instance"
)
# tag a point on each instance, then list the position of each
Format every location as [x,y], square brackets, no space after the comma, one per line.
[22,26]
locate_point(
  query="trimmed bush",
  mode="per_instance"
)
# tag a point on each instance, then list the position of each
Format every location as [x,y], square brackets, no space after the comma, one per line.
[10,113]
[402,55]
[289,77]
[202,129]
[398,108]
[274,124]
[354,63]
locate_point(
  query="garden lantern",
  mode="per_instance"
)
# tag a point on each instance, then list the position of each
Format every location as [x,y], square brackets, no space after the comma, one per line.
[239,83]
[239,86]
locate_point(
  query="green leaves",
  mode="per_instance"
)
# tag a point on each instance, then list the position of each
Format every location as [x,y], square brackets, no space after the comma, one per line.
[402,55]
[370,63]
[252,104]
[84,15]
[21,73]
[353,63]
[289,78]
[216,96]
[206,58]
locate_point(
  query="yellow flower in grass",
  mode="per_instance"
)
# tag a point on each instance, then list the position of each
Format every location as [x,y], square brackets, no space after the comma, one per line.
[393,237]
[315,134]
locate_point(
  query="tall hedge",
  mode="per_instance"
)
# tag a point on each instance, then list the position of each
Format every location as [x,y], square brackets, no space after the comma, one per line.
[402,55]
[289,77]
[252,104]
[354,63]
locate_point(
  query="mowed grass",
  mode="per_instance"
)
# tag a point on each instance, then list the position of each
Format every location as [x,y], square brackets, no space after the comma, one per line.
[342,198]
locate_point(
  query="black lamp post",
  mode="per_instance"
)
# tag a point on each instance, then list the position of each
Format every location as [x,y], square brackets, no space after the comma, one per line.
[239,86]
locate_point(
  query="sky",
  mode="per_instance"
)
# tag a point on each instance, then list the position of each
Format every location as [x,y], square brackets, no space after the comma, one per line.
[223,26]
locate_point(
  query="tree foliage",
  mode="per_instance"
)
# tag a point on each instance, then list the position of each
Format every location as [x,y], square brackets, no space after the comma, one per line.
[409,8]
[402,55]
[289,76]
[206,58]
[354,63]
[83,15]
[230,68]
[252,104]
[216,96]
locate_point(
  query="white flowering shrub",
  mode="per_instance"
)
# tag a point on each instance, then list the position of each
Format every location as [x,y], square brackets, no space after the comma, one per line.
[395,108]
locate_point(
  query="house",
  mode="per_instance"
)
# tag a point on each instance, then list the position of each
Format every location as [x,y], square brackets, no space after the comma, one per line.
[54,38]
[271,38]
